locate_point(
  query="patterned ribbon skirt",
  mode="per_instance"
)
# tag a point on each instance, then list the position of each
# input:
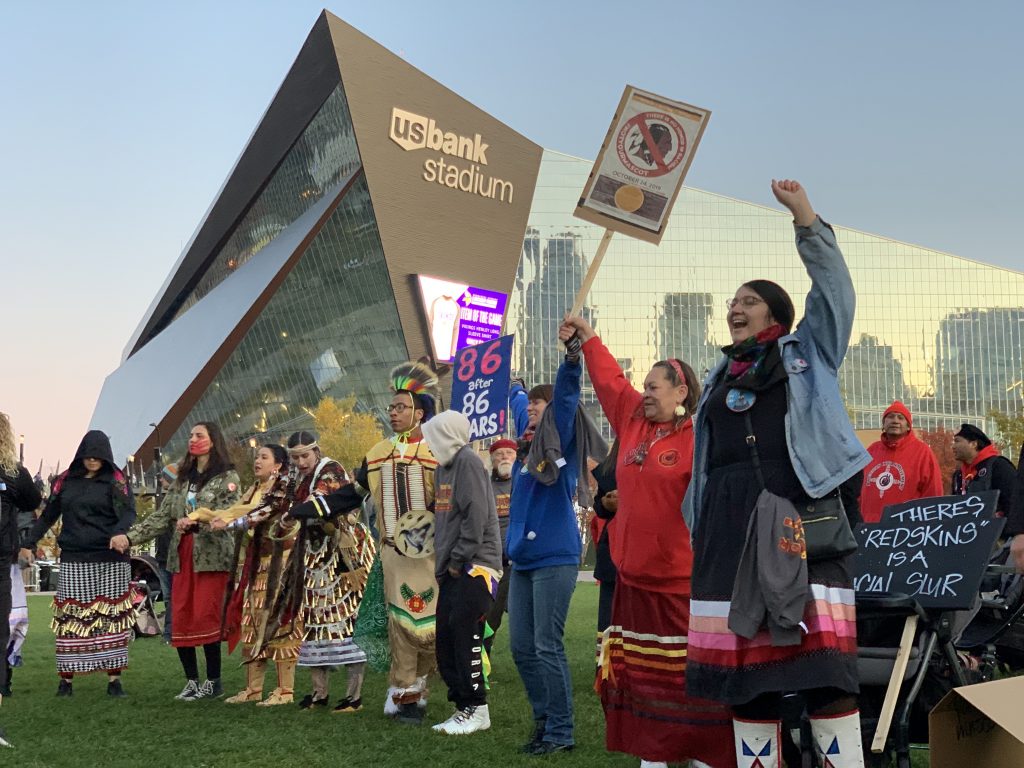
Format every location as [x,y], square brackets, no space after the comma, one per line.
[93,617]
[642,683]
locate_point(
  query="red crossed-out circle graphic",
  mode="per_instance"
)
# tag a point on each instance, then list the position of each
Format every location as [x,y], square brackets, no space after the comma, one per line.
[651,144]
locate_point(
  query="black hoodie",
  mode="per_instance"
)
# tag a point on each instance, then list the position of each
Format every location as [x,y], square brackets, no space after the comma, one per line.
[17,492]
[93,509]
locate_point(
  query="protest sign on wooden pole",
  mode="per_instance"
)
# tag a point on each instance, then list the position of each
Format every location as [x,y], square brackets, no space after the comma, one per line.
[892,692]
[639,171]
[588,279]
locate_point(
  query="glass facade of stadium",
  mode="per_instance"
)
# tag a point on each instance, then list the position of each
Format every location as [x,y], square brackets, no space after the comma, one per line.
[942,333]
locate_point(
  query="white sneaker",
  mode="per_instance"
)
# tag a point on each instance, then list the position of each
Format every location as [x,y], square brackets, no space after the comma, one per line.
[191,692]
[390,705]
[441,726]
[653,764]
[466,720]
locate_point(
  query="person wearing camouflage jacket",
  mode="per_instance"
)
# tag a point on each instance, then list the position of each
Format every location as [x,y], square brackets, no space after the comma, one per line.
[200,559]
[211,550]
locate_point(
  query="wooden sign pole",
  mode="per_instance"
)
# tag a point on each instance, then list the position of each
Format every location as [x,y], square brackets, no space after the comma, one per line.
[895,683]
[588,280]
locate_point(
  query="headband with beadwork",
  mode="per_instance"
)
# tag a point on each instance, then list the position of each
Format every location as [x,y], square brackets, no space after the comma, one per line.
[298,450]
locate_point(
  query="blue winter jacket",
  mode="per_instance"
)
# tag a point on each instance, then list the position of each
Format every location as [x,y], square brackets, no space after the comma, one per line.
[822,444]
[542,528]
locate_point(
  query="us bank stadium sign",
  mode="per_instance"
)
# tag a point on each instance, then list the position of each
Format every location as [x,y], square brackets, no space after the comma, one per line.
[461,161]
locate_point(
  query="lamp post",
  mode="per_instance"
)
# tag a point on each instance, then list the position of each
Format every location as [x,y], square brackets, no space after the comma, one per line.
[158,461]
[21,449]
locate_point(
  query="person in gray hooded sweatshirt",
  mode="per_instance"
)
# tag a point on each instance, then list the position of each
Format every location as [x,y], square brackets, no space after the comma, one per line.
[467,544]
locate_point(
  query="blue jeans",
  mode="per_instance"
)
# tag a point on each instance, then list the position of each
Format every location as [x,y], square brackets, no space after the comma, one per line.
[538,602]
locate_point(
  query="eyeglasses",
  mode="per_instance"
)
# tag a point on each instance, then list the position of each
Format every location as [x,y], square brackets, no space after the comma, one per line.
[746,302]
[398,408]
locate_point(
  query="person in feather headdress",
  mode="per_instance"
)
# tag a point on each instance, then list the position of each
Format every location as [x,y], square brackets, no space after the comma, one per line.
[398,473]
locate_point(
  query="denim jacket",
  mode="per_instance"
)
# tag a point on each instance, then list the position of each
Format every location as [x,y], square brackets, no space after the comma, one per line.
[822,444]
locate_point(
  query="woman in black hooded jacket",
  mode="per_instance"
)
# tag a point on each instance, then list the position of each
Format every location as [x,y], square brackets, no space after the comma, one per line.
[92,611]
[17,493]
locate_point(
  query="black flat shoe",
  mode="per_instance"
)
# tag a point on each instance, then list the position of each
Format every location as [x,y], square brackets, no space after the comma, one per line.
[64,688]
[536,738]
[549,747]
[115,690]
[308,702]
[347,705]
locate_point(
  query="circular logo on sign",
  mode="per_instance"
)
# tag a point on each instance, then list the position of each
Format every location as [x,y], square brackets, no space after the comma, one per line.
[651,144]
[629,198]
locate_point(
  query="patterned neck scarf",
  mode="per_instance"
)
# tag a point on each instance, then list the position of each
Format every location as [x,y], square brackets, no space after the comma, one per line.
[747,358]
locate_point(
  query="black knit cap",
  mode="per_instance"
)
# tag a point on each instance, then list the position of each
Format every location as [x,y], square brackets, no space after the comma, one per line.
[778,301]
[971,433]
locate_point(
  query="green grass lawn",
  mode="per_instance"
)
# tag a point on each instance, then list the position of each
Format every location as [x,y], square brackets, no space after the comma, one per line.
[150,729]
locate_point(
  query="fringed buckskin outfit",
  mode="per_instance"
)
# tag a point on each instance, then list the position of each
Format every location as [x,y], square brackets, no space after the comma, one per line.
[338,556]
[400,476]
[268,546]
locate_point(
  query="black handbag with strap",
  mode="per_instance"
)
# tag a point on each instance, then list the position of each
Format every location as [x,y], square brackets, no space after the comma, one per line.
[827,532]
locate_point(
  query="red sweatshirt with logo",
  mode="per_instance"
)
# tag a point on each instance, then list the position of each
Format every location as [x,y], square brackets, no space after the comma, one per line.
[900,470]
[650,543]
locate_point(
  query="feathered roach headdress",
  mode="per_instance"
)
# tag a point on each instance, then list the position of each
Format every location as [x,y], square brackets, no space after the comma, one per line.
[420,381]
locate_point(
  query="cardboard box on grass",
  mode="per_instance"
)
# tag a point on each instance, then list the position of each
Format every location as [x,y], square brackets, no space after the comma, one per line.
[981,726]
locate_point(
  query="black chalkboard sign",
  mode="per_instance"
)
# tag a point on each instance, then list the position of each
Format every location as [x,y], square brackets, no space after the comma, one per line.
[934,549]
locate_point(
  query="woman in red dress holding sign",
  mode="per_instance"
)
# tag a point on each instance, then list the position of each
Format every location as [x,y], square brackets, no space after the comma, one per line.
[642,675]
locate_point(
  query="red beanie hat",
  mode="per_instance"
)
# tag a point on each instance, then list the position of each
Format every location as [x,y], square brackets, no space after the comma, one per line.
[503,443]
[900,408]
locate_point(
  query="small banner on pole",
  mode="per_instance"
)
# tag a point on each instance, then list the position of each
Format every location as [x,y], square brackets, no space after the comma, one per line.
[480,386]
[642,163]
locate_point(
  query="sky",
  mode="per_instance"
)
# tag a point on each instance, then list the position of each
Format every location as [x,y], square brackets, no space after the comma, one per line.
[120,120]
